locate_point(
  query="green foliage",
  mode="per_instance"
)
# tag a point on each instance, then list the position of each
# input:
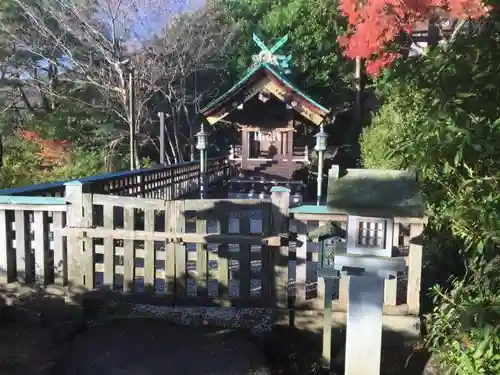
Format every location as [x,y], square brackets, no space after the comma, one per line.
[464,328]
[84,127]
[20,164]
[22,167]
[82,164]
[440,116]
[312,26]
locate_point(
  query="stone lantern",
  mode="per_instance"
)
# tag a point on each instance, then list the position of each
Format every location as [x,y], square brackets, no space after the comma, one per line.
[364,253]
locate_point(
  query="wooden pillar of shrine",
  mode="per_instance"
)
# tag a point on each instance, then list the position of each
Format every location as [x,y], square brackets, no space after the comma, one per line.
[245,148]
[289,140]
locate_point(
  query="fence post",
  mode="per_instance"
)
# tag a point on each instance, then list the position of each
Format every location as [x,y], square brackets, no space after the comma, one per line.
[415,268]
[7,254]
[80,250]
[280,200]
[142,188]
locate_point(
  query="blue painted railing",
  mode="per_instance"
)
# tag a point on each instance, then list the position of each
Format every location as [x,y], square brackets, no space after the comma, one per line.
[167,182]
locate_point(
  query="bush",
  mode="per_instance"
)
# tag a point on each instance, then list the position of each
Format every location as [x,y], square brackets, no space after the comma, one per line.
[22,166]
[464,328]
[81,164]
[440,117]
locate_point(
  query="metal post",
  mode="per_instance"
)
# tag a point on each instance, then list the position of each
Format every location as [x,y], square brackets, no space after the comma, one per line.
[320,176]
[202,174]
[358,105]
[131,104]
[205,170]
[162,137]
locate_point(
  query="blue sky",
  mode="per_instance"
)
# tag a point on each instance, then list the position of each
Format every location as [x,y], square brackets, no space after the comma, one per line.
[157,19]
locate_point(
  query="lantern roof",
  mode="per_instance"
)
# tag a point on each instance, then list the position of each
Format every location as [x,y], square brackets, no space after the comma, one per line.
[376,192]
[328,230]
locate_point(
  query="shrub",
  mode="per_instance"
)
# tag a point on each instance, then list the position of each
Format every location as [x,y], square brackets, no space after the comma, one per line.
[440,117]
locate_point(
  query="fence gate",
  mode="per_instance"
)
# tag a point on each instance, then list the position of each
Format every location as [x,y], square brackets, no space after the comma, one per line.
[187,252]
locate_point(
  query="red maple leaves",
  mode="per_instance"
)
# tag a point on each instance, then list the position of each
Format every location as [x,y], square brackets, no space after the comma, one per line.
[375,24]
[52,152]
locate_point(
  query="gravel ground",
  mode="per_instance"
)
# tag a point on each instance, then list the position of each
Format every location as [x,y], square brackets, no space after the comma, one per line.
[155,348]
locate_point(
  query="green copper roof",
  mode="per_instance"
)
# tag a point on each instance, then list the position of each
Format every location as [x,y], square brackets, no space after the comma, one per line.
[376,192]
[263,61]
[247,78]
[330,229]
[301,93]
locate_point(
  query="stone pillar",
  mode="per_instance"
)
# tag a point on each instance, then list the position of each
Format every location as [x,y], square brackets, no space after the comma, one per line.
[364,325]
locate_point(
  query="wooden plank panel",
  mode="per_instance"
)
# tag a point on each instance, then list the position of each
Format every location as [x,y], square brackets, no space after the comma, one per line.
[171,215]
[301,268]
[218,205]
[74,218]
[266,272]
[150,251]
[129,252]
[109,251]
[391,285]
[139,235]
[201,260]
[7,254]
[88,243]
[244,252]
[223,260]
[414,270]
[60,249]
[24,256]
[41,247]
[180,254]
[129,202]
[280,199]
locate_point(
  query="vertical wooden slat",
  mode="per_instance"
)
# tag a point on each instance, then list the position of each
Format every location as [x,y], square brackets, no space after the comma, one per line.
[280,198]
[266,272]
[128,252]
[321,285]
[244,254]
[391,285]
[344,280]
[7,254]
[415,269]
[301,262]
[109,248]
[201,260]
[74,217]
[149,249]
[88,243]
[171,215]
[223,259]
[180,253]
[41,246]
[24,256]
[327,323]
[60,249]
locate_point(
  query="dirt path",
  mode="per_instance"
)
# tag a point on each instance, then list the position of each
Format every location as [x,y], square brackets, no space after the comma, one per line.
[155,348]
[26,349]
